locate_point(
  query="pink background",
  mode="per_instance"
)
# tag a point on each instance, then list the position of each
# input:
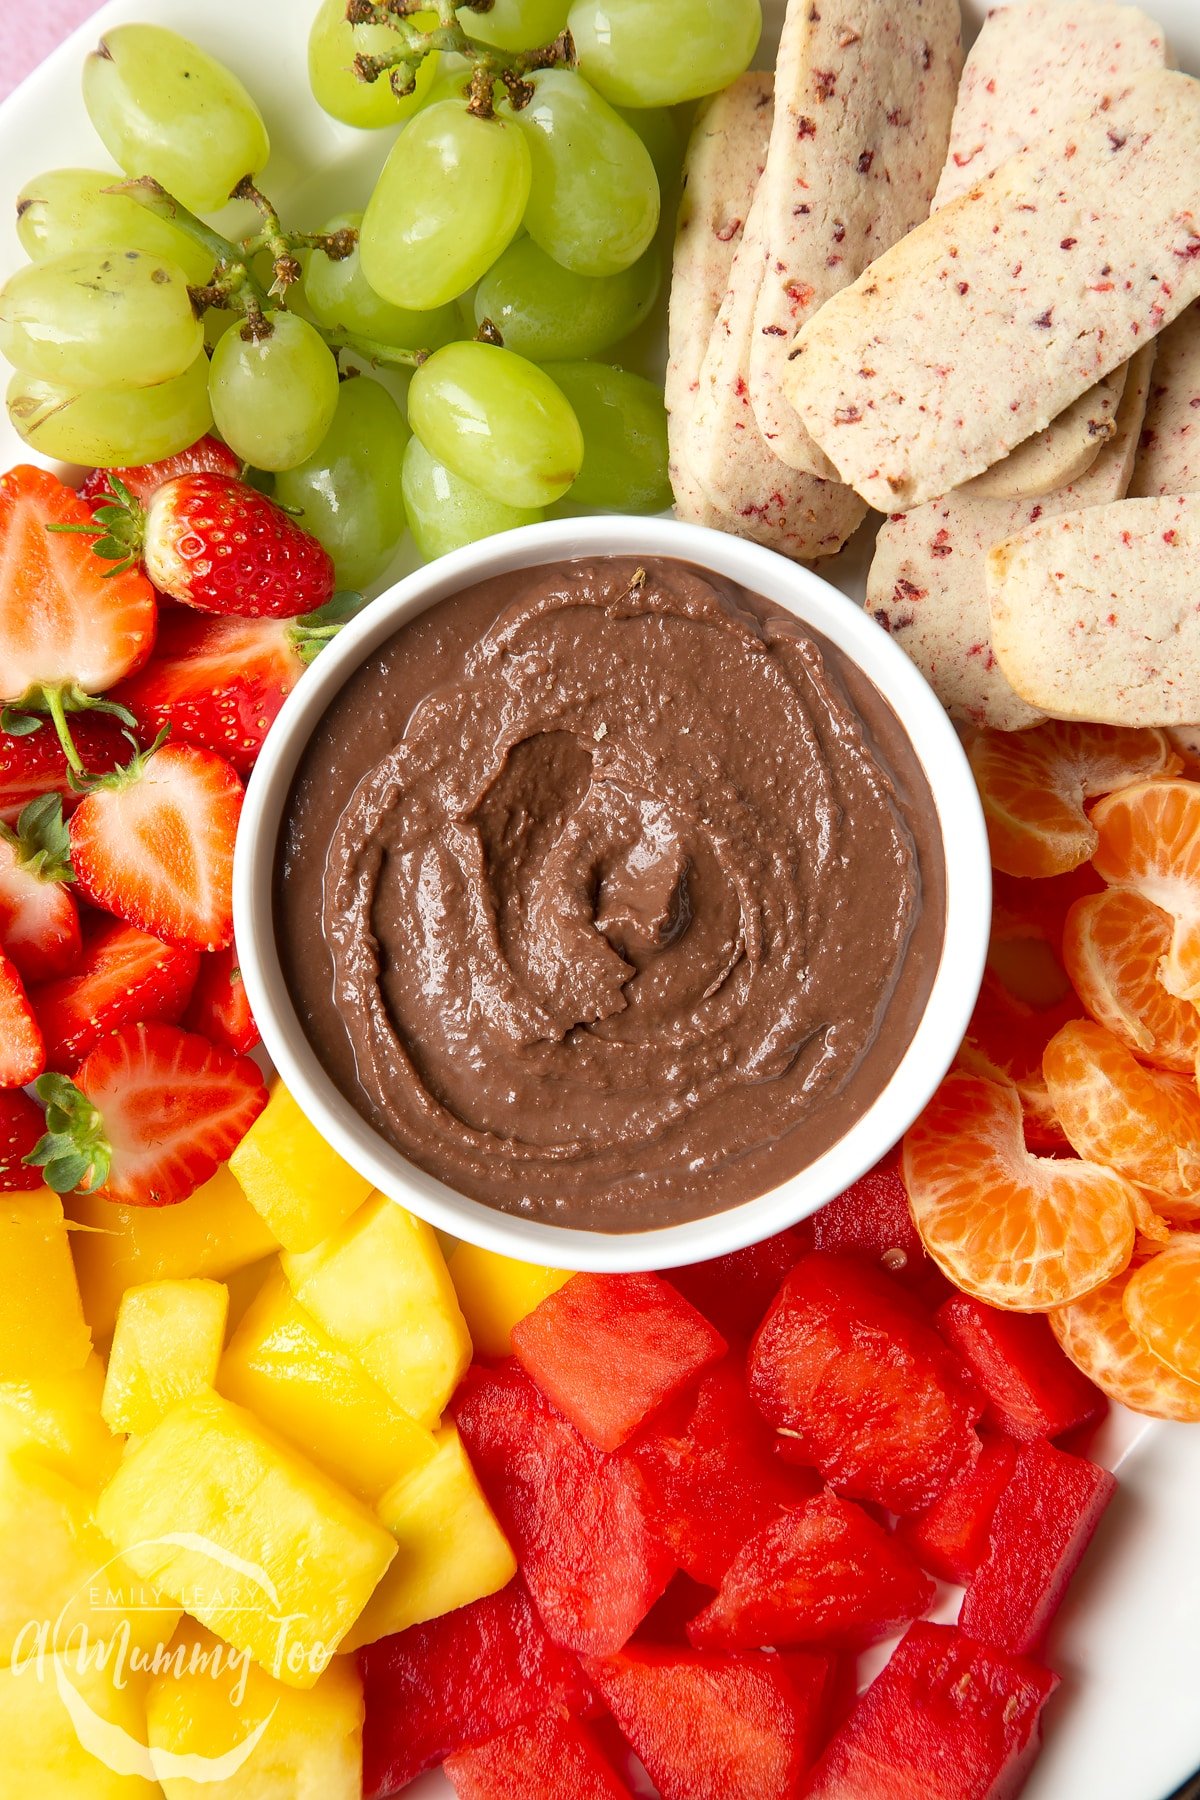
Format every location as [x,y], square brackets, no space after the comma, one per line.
[29,30]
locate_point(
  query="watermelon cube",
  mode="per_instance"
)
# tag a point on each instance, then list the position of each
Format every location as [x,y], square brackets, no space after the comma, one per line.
[872,1220]
[1042,1525]
[577,1519]
[735,1291]
[846,1359]
[709,1726]
[458,1681]
[609,1350]
[550,1755]
[1031,1388]
[947,1719]
[823,1573]
[950,1538]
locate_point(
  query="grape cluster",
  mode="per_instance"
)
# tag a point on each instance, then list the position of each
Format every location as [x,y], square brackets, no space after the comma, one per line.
[520,200]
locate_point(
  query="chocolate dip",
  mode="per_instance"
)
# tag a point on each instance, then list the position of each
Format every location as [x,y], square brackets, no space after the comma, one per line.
[608,894]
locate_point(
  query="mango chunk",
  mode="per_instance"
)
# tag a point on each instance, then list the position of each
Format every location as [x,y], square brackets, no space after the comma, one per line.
[290,1374]
[207,1709]
[496,1293]
[47,1751]
[301,1187]
[57,1417]
[42,1327]
[212,1233]
[451,1549]
[278,1560]
[380,1288]
[167,1345]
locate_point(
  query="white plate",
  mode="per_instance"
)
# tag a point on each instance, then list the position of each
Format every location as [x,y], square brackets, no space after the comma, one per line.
[1126,1723]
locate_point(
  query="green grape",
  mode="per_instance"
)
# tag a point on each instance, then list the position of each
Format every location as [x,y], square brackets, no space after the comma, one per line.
[658,52]
[348,493]
[445,512]
[334,43]
[659,131]
[340,296]
[546,313]
[593,205]
[449,199]
[516,24]
[624,424]
[273,398]
[111,428]
[497,421]
[164,107]
[100,318]
[70,209]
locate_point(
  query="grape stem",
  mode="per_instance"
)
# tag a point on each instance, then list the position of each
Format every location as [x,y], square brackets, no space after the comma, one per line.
[488,64]
[232,275]
[372,351]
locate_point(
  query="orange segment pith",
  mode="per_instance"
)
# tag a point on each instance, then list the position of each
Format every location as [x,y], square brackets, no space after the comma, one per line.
[1016,1230]
[1145,1123]
[1148,839]
[1113,946]
[1033,785]
[1098,1338]
[1162,1304]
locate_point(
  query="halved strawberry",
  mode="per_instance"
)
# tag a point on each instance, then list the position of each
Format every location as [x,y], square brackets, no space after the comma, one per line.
[22,1049]
[125,976]
[207,455]
[36,763]
[39,921]
[21,1125]
[153,844]
[219,1009]
[152,1114]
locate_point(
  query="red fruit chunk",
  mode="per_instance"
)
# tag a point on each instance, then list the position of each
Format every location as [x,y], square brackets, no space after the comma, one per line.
[39,920]
[1042,1525]
[218,1008]
[207,453]
[950,1538]
[712,1475]
[21,1125]
[126,976]
[844,1359]
[457,1681]
[37,764]
[546,1756]
[22,1048]
[872,1219]
[823,1573]
[735,1291]
[946,1720]
[1032,1389]
[577,1519]
[609,1350]
[715,1727]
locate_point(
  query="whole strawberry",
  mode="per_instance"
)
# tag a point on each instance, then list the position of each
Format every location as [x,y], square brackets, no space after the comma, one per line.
[214,543]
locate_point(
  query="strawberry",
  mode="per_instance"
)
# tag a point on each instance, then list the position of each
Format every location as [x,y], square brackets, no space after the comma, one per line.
[36,763]
[222,547]
[22,1049]
[152,1113]
[39,921]
[207,455]
[153,843]
[218,1008]
[21,1125]
[220,682]
[125,976]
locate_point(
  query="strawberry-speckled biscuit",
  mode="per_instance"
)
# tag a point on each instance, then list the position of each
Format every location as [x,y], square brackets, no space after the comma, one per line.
[1168,460]
[1094,613]
[864,92]
[989,319]
[1053,458]
[927,583]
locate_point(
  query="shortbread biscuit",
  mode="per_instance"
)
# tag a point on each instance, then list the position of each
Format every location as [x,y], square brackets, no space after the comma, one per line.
[1168,459]
[1053,458]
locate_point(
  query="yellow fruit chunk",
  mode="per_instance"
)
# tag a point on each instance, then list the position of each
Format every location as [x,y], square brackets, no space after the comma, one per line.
[42,1327]
[203,1710]
[451,1550]
[58,1418]
[496,1293]
[167,1345]
[48,1750]
[302,1188]
[278,1560]
[213,1232]
[283,1368]
[380,1287]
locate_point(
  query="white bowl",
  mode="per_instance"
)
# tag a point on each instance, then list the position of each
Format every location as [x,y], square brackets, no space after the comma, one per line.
[955,985]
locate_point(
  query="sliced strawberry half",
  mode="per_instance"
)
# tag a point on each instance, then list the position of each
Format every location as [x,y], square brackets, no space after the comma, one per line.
[22,1048]
[39,920]
[21,1126]
[153,844]
[218,1008]
[125,976]
[36,763]
[152,1114]
[208,455]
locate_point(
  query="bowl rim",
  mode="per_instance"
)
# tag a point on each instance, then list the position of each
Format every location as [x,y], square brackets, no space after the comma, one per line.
[817,603]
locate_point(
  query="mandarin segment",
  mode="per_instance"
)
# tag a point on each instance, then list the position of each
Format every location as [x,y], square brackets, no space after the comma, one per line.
[1148,839]
[1033,785]
[1016,1230]
[1113,946]
[1099,1339]
[1162,1304]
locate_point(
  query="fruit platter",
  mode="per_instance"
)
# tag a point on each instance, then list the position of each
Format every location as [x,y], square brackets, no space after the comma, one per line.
[600,902]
